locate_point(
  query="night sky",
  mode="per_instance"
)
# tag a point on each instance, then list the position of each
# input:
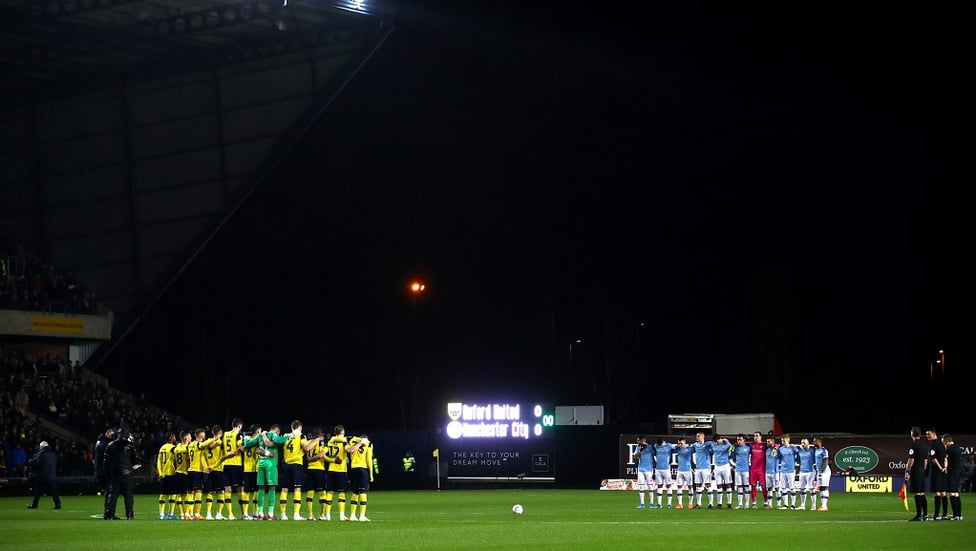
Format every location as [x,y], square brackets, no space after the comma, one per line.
[733,211]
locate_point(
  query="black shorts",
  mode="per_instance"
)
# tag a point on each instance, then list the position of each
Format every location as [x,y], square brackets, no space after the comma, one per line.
[251,481]
[217,480]
[291,476]
[197,481]
[916,484]
[359,480]
[314,479]
[166,485]
[233,475]
[179,483]
[336,481]
[937,482]
[954,483]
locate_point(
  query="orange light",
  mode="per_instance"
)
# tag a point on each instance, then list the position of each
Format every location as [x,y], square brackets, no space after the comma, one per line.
[417,287]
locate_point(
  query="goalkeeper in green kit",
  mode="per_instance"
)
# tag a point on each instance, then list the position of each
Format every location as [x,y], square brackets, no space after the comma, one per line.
[267,444]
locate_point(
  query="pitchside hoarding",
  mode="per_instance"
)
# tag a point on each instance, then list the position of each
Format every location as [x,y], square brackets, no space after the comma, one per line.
[878,455]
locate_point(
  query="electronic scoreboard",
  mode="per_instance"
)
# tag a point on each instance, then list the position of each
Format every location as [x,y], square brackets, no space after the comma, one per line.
[497,442]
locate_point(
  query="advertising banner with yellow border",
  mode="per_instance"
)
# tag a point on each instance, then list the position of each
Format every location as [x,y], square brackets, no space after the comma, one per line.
[868,484]
[58,324]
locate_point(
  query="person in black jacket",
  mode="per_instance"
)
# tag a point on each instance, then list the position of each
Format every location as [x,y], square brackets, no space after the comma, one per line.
[44,475]
[98,460]
[121,461]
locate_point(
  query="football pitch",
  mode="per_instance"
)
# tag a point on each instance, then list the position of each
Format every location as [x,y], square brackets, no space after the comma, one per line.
[483,519]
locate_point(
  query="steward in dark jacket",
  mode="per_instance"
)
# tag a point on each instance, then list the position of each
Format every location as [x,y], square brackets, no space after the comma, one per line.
[120,463]
[44,475]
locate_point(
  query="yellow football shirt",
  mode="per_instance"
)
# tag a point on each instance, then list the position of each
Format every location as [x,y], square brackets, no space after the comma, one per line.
[336,448]
[165,460]
[294,454]
[316,464]
[230,442]
[181,460]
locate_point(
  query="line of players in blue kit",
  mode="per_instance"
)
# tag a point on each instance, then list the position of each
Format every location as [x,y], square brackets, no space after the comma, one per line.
[718,467]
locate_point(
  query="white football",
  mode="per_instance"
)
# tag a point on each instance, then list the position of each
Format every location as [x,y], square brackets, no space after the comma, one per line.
[517,509]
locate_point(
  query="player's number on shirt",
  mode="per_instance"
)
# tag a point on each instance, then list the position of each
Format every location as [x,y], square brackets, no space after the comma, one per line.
[332,451]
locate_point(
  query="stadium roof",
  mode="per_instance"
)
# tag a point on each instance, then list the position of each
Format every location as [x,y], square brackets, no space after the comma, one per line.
[55,47]
[132,130]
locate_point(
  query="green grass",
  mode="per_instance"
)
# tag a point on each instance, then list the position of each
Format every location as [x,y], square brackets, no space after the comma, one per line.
[456,519]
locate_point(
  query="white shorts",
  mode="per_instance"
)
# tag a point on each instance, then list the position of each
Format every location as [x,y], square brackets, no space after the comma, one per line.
[807,481]
[825,479]
[662,477]
[772,481]
[683,479]
[742,479]
[723,474]
[787,481]
[703,477]
[645,480]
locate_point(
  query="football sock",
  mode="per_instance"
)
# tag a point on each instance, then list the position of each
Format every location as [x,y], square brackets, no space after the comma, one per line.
[921,507]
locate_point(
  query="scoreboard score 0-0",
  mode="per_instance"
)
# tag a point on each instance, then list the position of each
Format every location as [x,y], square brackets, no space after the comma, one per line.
[498,442]
[497,421]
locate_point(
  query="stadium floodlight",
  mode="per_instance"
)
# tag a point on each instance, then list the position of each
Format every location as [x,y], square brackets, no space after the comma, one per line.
[357,6]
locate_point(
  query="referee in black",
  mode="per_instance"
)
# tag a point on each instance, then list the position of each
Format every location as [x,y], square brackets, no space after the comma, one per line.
[915,474]
[937,474]
[954,475]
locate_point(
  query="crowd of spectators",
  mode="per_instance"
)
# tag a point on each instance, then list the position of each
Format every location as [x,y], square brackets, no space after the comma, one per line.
[86,405]
[29,283]
[20,432]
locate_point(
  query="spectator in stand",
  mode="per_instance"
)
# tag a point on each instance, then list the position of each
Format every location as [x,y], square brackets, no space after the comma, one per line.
[28,283]
[969,474]
[18,460]
[21,401]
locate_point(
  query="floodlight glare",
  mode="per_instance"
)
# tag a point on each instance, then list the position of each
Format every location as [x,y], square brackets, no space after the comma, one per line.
[358,6]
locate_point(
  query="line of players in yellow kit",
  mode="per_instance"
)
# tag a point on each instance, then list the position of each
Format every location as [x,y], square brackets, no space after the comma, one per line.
[195,471]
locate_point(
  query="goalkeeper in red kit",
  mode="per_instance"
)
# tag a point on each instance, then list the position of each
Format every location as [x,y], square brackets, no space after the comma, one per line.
[757,466]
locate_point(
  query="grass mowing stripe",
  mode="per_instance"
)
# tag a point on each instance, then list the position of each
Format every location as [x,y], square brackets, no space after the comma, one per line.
[453,519]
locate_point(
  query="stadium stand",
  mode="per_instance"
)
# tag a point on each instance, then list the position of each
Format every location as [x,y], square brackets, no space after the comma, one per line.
[29,283]
[69,410]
